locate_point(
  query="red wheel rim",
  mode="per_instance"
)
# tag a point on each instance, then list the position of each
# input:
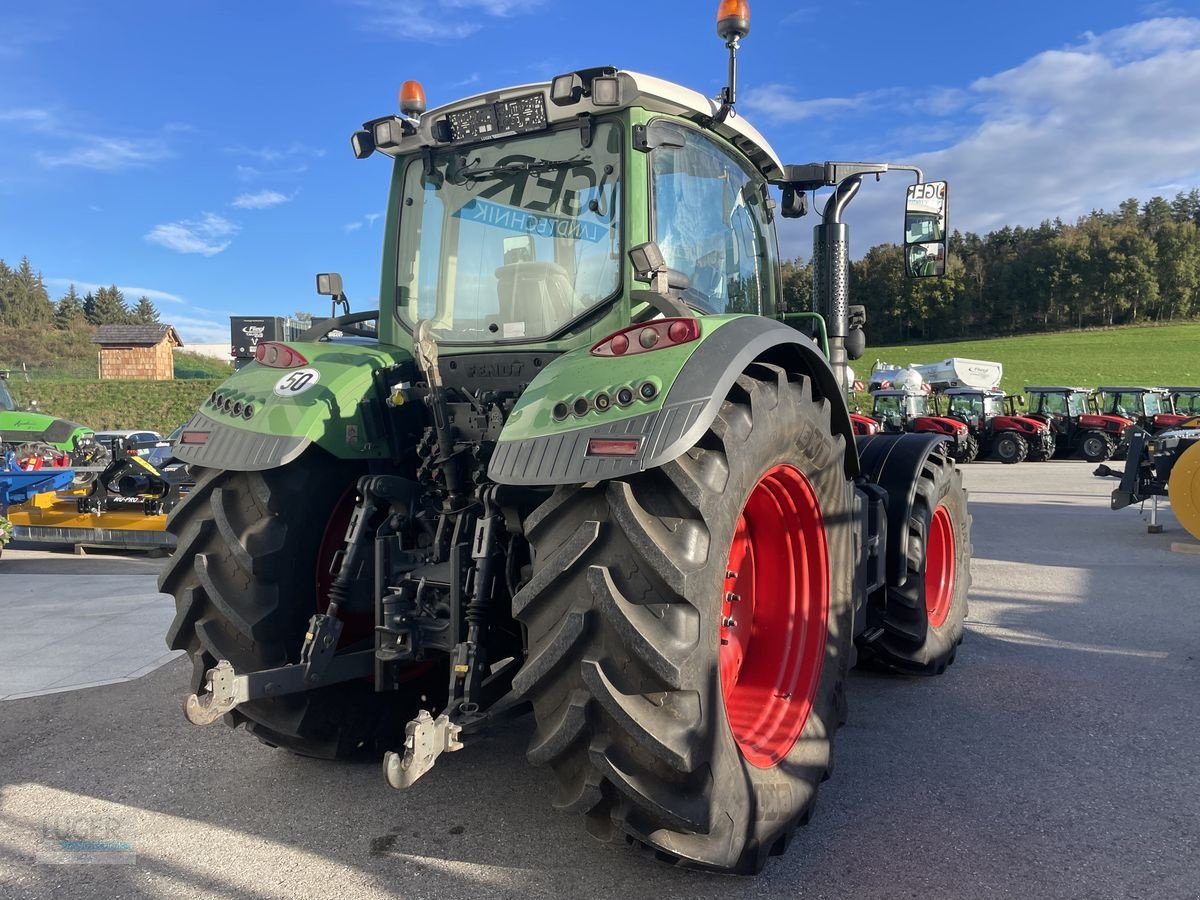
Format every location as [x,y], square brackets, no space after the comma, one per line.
[774,616]
[940,565]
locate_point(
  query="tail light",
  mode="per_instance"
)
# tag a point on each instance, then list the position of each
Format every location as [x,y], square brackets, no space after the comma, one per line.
[278,356]
[651,336]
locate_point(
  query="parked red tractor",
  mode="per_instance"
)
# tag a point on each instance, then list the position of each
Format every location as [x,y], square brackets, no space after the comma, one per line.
[998,433]
[1065,409]
[1148,408]
[899,410]
[1185,401]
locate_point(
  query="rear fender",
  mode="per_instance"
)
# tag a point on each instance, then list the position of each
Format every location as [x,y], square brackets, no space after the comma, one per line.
[894,461]
[324,403]
[688,383]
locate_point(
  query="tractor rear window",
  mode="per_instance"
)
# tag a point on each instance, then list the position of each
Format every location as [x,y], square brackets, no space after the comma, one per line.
[711,223]
[511,240]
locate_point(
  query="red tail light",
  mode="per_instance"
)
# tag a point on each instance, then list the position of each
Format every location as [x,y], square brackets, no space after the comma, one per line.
[651,336]
[614,446]
[278,356]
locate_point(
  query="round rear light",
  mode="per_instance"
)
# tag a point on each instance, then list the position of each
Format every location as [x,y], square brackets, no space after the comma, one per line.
[679,331]
[624,396]
[561,410]
[648,390]
[619,344]
[581,406]
[648,337]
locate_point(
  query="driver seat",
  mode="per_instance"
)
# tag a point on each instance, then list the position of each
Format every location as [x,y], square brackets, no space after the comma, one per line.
[537,294]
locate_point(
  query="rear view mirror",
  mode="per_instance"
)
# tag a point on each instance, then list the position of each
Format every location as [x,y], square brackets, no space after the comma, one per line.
[329,284]
[926,215]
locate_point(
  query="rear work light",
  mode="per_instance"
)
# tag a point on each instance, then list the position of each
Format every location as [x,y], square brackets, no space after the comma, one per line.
[278,356]
[653,335]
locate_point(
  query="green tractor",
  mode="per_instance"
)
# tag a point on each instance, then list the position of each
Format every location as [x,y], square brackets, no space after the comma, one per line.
[37,439]
[577,465]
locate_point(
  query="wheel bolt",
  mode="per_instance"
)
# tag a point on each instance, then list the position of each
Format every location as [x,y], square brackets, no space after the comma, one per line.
[729,573]
[731,597]
[727,622]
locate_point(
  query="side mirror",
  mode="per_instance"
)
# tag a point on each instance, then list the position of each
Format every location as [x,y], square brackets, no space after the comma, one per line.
[926,215]
[329,284]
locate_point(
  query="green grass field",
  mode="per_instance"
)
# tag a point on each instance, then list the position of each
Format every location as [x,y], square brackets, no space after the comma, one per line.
[157,405]
[1151,356]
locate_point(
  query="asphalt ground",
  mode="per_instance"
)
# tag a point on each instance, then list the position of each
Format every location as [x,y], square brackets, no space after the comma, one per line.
[1056,758]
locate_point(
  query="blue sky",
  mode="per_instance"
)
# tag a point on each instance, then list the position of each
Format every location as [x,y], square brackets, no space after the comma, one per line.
[198,151]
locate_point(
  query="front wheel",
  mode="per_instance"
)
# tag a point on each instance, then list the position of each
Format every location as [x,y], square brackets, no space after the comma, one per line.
[967,450]
[1096,447]
[689,629]
[1010,448]
[921,613]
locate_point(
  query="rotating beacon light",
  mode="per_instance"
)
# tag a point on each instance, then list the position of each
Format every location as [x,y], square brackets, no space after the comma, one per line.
[733,24]
[412,100]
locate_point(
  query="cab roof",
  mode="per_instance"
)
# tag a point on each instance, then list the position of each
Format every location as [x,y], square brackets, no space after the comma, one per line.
[1130,390]
[1035,389]
[636,90]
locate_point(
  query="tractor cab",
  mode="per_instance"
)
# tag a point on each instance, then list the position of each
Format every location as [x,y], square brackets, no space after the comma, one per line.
[1150,408]
[893,409]
[1184,401]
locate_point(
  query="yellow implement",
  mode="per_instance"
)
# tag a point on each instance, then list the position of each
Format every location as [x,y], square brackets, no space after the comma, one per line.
[1183,488]
[56,519]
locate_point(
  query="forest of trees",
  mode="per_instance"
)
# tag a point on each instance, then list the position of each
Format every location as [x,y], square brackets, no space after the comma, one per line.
[25,303]
[1136,265]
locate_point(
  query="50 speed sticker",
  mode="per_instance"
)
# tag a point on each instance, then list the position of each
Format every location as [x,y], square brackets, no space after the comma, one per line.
[295,383]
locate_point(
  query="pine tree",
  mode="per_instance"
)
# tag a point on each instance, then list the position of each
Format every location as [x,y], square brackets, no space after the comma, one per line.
[68,312]
[89,308]
[110,307]
[145,313]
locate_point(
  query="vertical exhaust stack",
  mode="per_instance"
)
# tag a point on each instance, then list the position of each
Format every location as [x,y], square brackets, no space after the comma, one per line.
[831,274]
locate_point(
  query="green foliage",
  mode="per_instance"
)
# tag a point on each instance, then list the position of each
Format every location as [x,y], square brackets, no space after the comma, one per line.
[193,365]
[145,312]
[69,312]
[1147,355]
[109,308]
[6,531]
[1140,264]
[157,405]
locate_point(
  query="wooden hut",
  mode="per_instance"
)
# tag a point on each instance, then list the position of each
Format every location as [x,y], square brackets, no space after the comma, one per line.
[137,352]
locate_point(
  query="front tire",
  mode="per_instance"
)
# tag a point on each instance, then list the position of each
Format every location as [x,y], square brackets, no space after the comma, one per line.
[666,720]
[921,616]
[244,575]
[1096,447]
[1010,448]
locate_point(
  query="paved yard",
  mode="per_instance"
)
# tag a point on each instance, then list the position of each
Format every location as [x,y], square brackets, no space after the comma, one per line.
[1057,758]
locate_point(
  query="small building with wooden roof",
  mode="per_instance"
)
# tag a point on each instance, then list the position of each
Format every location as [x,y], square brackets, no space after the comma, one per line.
[137,352]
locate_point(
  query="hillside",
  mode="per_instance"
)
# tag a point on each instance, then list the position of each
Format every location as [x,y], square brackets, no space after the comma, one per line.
[1165,355]
[157,405]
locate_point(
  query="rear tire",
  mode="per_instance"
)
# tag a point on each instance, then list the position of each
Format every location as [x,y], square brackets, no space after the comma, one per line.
[244,579]
[1096,447]
[967,451]
[626,612]
[922,616]
[1010,448]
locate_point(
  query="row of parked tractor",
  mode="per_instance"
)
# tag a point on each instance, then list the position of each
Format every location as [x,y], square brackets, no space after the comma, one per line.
[961,399]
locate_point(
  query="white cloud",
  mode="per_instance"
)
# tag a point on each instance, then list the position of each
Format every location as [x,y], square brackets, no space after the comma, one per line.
[108,154]
[276,154]
[778,102]
[436,21]
[129,291]
[368,220]
[260,200]
[207,236]
[1069,130]
[36,119]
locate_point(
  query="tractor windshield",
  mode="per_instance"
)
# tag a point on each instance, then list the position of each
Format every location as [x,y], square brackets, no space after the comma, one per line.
[6,400]
[512,240]
[889,409]
[1187,404]
[1131,404]
[965,407]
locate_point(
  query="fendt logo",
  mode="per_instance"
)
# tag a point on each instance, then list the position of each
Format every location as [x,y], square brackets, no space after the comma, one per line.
[494,370]
[256,332]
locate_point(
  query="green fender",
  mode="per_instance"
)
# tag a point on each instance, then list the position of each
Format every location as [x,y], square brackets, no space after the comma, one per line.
[689,382]
[262,417]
